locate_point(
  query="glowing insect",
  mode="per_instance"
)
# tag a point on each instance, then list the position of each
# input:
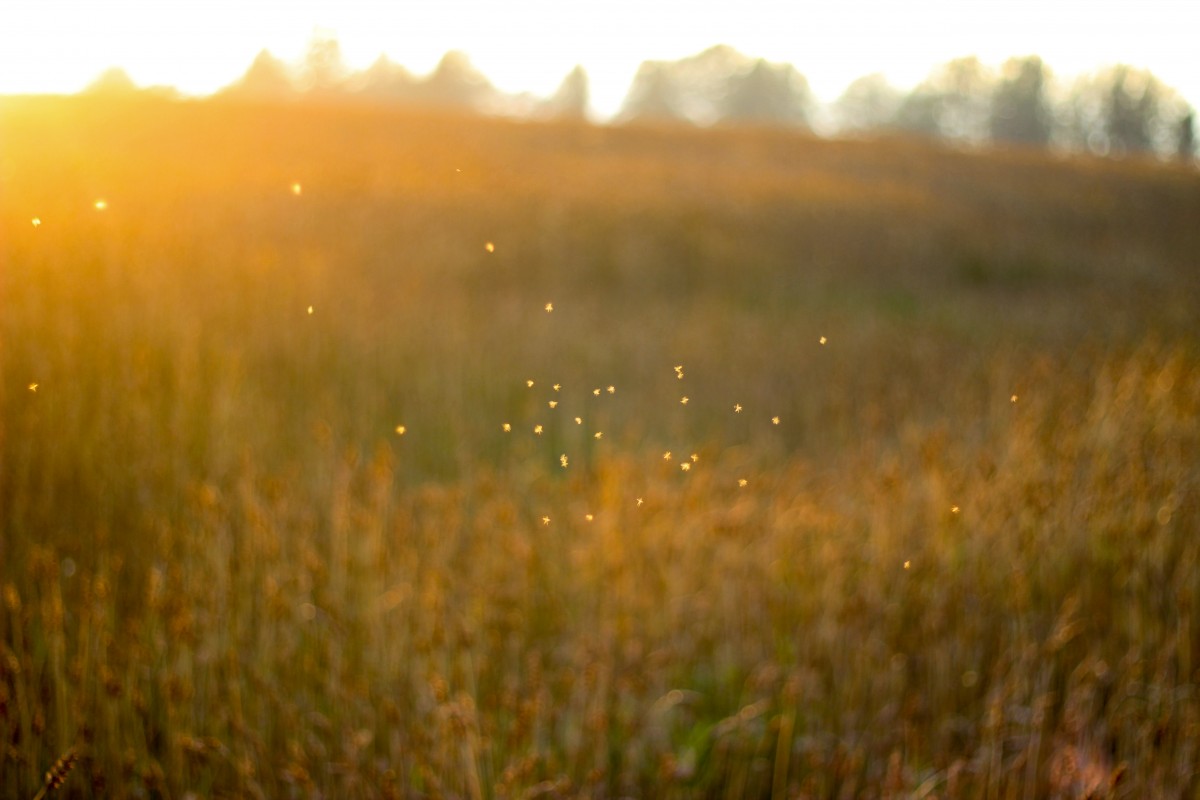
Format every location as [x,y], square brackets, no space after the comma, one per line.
[545,520]
[823,340]
[1013,399]
[953,509]
[557,386]
[612,390]
[553,403]
[579,420]
[667,456]
[774,420]
[907,564]
[529,384]
[639,502]
[737,408]
[683,401]
[742,482]
[507,427]
[33,387]
[563,460]
[596,392]
[685,466]
[549,307]
[695,458]
[599,435]
[537,429]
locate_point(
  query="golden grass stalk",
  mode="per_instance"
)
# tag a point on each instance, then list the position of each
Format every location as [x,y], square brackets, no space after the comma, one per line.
[57,774]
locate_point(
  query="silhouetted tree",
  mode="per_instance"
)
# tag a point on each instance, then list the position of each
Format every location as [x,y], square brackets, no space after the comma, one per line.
[920,111]
[1019,110]
[1123,110]
[869,103]
[767,93]
[385,80]
[456,83]
[703,81]
[653,95]
[1082,115]
[1185,147]
[570,100]
[718,84]
[267,78]
[113,81]
[1133,98]
[952,102]
[965,87]
[324,72]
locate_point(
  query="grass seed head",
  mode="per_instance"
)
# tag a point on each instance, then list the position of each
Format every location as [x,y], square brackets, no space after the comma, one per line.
[57,774]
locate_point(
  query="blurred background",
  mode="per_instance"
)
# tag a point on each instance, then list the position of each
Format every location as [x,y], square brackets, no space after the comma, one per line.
[1051,73]
[598,410]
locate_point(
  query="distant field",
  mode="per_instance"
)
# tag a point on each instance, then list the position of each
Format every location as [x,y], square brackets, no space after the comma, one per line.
[282,516]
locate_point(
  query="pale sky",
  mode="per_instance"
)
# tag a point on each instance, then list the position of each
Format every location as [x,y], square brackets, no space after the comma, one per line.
[530,45]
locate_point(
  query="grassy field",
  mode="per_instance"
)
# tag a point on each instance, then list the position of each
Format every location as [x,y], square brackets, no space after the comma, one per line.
[281,514]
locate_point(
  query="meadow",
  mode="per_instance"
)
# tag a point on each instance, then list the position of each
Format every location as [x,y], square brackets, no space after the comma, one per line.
[344,452]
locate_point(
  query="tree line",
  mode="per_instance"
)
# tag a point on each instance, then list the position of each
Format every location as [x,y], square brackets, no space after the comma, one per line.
[454,83]
[1119,109]
[1115,110]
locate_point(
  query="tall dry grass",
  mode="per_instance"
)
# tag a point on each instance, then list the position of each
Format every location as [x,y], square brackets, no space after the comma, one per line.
[963,563]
